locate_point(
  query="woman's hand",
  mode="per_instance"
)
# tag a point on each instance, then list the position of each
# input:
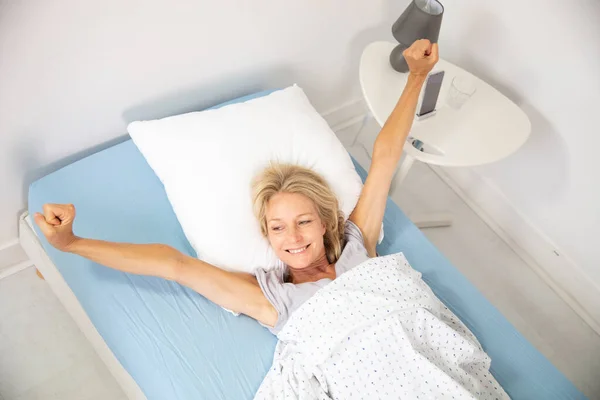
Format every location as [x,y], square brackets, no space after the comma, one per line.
[57,224]
[421,56]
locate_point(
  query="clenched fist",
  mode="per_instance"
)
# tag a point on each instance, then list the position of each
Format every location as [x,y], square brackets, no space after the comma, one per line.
[57,224]
[421,56]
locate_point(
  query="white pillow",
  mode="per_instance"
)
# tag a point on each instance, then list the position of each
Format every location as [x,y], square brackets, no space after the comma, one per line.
[207,160]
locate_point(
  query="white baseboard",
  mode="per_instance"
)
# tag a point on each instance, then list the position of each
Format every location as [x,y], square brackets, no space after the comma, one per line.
[13,269]
[543,256]
[12,258]
[346,115]
[555,267]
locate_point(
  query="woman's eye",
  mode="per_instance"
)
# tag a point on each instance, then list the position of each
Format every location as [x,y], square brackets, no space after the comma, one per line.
[305,222]
[276,228]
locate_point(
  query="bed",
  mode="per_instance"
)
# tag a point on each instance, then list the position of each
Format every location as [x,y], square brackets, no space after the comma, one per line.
[163,341]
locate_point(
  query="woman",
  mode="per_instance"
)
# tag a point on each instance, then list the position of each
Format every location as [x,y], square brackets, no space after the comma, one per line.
[299,215]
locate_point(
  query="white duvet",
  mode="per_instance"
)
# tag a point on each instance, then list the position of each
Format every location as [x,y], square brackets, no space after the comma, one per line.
[378,332]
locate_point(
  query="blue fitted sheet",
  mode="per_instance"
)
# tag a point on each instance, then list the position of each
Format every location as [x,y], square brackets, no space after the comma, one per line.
[177,345]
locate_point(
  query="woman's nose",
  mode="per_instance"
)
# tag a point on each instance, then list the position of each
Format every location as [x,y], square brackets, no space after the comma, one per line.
[295,235]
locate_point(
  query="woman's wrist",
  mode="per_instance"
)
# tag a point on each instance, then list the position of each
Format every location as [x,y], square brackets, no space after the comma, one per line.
[417,78]
[72,244]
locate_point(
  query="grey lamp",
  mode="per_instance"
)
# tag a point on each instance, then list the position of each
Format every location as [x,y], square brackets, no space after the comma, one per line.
[422,19]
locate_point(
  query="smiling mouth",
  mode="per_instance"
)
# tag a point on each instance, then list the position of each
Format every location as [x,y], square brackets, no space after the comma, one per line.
[298,250]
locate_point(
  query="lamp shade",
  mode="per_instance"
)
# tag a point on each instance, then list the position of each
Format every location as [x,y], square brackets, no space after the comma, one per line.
[422,19]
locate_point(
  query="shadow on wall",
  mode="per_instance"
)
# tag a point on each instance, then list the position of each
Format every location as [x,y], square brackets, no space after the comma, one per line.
[27,157]
[540,169]
[390,12]
[541,166]
[204,96]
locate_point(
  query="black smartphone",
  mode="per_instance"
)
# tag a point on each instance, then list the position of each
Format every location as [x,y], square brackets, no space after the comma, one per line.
[430,94]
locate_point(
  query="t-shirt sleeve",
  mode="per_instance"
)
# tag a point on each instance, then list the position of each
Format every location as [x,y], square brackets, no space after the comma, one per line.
[354,251]
[271,284]
[353,233]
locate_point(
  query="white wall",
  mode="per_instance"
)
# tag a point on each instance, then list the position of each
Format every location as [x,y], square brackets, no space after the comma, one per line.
[544,55]
[72,72]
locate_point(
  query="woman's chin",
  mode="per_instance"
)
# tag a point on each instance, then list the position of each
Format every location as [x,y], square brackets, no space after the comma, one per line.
[296,262]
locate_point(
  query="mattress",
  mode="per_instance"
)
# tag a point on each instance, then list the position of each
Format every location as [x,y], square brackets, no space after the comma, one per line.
[176,344]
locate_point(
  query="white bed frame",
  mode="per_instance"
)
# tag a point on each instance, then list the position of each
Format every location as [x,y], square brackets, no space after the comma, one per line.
[46,267]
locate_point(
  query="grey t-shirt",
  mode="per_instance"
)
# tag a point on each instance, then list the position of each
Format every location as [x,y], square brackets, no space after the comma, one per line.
[287,297]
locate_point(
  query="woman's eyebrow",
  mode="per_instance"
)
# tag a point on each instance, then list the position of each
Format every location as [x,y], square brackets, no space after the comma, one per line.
[301,215]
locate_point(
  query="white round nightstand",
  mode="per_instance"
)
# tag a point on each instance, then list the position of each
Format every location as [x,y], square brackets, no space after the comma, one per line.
[487,128]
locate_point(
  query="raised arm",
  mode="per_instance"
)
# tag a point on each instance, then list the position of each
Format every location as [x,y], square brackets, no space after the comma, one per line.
[421,56]
[238,292]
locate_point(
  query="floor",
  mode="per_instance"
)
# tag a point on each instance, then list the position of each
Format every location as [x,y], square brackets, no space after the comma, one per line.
[43,355]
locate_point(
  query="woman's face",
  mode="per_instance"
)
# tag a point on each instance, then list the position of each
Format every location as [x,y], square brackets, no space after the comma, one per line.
[295,229]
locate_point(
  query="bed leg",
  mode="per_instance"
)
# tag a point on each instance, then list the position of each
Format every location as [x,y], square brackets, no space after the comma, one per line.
[39,274]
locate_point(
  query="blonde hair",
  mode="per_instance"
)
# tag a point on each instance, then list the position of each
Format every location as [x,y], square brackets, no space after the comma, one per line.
[289,178]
